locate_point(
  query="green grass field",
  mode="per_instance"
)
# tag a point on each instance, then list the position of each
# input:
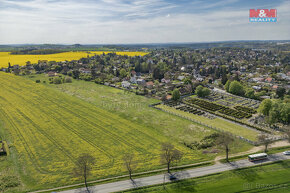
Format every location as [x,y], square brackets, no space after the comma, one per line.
[269,178]
[217,122]
[48,126]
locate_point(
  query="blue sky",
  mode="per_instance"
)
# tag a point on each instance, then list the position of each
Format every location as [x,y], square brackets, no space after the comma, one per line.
[138,21]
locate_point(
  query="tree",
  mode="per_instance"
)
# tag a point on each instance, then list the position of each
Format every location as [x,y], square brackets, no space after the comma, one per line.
[265,140]
[83,167]
[225,139]
[236,88]
[169,154]
[285,113]
[224,79]
[202,91]
[206,92]
[75,74]
[129,163]
[176,95]
[274,113]
[187,81]
[123,73]
[265,107]
[227,85]
[250,93]
[280,92]
[163,98]
[199,91]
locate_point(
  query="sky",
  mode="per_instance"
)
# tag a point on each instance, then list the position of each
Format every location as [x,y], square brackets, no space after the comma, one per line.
[138,21]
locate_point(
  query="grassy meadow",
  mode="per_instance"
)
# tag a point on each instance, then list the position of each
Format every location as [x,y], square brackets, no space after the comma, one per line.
[219,123]
[268,178]
[6,57]
[48,126]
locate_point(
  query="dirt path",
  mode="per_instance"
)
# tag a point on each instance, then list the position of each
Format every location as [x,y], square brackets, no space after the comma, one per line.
[255,149]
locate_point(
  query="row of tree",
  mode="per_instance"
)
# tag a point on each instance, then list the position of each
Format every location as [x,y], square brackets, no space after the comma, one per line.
[169,155]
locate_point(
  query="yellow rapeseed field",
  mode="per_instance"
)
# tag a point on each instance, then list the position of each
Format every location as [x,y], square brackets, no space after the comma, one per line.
[6,57]
[49,129]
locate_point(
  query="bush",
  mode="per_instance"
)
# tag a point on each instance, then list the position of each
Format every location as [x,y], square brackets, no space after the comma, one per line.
[68,80]
[8,181]
[37,81]
[57,80]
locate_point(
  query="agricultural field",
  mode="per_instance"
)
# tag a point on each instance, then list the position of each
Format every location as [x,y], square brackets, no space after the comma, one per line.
[6,57]
[48,126]
[268,178]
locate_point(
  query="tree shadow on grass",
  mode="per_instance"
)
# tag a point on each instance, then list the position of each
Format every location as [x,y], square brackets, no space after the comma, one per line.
[284,164]
[184,186]
[249,174]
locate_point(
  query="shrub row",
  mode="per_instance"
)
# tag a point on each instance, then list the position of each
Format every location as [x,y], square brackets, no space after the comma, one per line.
[212,107]
[246,109]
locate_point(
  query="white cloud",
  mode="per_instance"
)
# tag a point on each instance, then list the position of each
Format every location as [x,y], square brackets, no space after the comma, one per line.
[115,21]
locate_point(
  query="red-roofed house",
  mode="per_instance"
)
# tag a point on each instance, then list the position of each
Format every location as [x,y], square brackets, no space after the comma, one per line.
[269,79]
[149,84]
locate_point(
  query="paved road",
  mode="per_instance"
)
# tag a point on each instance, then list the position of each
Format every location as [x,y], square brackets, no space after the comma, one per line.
[191,173]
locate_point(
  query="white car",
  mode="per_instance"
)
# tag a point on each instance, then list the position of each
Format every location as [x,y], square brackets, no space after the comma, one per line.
[286,152]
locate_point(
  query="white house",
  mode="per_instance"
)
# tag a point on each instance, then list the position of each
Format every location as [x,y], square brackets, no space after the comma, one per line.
[141,81]
[133,80]
[126,84]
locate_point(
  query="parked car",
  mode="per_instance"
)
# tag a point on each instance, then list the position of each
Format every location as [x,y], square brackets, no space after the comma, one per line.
[286,152]
[172,177]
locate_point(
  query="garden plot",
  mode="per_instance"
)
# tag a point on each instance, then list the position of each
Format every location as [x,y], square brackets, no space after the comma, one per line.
[230,100]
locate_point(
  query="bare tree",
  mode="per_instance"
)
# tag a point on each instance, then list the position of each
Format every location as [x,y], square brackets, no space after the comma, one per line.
[225,139]
[265,140]
[130,163]
[169,155]
[83,167]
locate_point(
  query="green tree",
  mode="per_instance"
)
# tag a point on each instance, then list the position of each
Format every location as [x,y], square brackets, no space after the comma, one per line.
[227,85]
[187,81]
[250,93]
[199,91]
[265,107]
[206,92]
[274,113]
[285,113]
[224,79]
[236,88]
[176,95]
[123,73]
[280,92]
